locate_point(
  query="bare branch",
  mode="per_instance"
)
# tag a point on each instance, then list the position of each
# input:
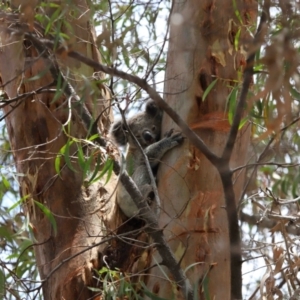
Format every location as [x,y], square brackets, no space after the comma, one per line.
[189,133]
[270,222]
[248,73]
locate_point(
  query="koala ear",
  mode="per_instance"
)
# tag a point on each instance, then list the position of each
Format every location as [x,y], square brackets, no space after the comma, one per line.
[151,108]
[118,132]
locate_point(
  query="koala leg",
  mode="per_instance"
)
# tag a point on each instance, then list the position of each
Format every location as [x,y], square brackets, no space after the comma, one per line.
[147,192]
[149,196]
[128,206]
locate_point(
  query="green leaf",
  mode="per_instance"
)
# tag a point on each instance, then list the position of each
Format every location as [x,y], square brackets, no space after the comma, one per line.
[65,152]
[48,214]
[97,168]
[108,167]
[6,233]
[208,89]
[243,122]
[191,266]
[236,39]
[57,163]
[2,284]
[18,203]
[5,182]
[80,157]
[205,288]
[12,256]
[67,155]
[25,245]
[103,270]
[93,289]
[149,294]
[232,99]
[93,137]
[53,17]
[236,11]
[295,94]
[110,170]
[38,76]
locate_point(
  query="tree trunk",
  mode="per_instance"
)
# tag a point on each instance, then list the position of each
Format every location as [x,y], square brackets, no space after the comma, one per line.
[65,259]
[201,49]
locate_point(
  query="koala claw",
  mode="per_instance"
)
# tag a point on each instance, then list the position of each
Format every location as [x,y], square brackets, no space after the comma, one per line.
[177,137]
[169,132]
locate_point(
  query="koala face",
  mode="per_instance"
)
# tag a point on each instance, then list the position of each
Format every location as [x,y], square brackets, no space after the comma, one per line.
[146,127]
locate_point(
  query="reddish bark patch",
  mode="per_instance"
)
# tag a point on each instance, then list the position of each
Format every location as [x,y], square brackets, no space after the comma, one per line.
[216,121]
[200,253]
[156,288]
[199,215]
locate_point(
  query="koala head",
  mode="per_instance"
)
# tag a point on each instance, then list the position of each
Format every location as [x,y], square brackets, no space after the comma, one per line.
[146,127]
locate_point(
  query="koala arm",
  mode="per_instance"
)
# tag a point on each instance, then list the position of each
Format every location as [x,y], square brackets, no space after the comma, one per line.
[117,131]
[139,172]
[157,150]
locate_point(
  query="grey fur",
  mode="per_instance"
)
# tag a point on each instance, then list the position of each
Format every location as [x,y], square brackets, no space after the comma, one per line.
[146,127]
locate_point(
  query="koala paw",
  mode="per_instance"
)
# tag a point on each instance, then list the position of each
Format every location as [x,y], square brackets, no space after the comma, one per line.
[169,133]
[175,139]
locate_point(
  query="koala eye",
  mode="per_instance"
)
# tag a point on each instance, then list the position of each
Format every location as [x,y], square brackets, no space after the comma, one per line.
[153,128]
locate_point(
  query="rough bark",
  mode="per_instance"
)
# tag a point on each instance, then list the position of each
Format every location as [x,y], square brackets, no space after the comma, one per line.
[35,127]
[201,49]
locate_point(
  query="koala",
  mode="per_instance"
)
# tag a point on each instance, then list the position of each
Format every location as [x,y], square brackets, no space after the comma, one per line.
[146,127]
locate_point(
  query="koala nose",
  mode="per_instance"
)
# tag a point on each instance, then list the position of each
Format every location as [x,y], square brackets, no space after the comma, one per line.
[148,137]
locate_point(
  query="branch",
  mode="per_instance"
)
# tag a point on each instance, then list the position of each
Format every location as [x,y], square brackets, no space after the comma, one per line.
[260,159]
[256,164]
[248,73]
[155,232]
[23,97]
[68,89]
[270,222]
[226,173]
[189,133]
